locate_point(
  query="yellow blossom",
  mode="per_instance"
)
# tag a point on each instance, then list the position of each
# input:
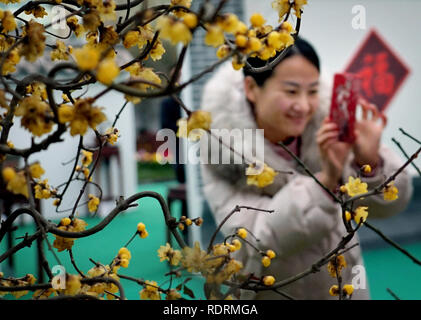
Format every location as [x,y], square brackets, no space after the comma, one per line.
[168,253]
[183,3]
[198,120]
[223,51]
[348,215]
[37,11]
[85,115]
[336,264]
[242,233]
[8,173]
[11,61]
[271,254]
[334,290]
[17,184]
[93,203]
[348,289]
[257,20]
[298,4]
[173,295]
[143,234]
[157,51]
[230,23]
[237,62]
[282,6]
[36,170]
[74,25]
[150,292]
[91,20]
[65,113]
[62,243]
[60,52]
[86,158]
[268,280]
[174,30]
[258,177]
[65,221]
[190,20]
[237,244]
[390,193]
[36,115]
[111,135]
[87,58]
[131,38]
[266,261]
[355,187]
[8,21]
[214,36]
[141,227]
[42,190]
[34,45]
[107,71]
[361,214]
[194,259]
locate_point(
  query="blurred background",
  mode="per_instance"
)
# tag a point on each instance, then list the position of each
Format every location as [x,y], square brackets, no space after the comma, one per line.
[337,29]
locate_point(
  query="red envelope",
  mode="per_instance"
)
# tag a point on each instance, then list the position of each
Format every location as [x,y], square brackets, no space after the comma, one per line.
[343,104]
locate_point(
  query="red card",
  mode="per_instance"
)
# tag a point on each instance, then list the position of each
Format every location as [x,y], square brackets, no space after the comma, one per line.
[343,104]
[381,70]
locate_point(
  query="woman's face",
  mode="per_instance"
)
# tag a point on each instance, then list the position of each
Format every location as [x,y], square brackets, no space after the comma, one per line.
[288,99]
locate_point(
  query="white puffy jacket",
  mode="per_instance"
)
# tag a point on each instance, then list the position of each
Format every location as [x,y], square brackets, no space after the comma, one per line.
[306,223]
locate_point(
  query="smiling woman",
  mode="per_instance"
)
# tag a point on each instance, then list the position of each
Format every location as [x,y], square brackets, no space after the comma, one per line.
[290,104]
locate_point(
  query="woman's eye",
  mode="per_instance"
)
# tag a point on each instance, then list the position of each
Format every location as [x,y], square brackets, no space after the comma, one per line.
[313,92]
[291,92]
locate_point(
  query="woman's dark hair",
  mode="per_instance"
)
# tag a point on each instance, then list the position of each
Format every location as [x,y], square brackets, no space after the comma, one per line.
[301,47]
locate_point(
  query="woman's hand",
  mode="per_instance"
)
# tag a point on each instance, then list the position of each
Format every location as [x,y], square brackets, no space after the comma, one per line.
[368,131]
[333,153]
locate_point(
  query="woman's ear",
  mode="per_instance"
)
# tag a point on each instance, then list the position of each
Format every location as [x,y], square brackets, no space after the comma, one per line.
[250,89]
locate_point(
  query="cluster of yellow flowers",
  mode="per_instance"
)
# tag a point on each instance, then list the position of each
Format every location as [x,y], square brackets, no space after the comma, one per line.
[284,6]
[43,190]
[85,161]
[258,176]
[150,291]
[143,79]
[36,114]
[141,230]
[215,267]
[177,30]
[29,279]
[347,290]
[334,267]
[66,224]
[100,288]
[267,257]
[93,203]
[360,214]
[34,46]
[15,181]
[194,126]
[81,116]
[111,134]
[17,184]
[122,259]
[390,192]
[187,222]
[168,253]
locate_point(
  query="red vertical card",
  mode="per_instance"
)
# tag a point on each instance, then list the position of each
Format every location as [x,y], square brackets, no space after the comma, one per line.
[343,104]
